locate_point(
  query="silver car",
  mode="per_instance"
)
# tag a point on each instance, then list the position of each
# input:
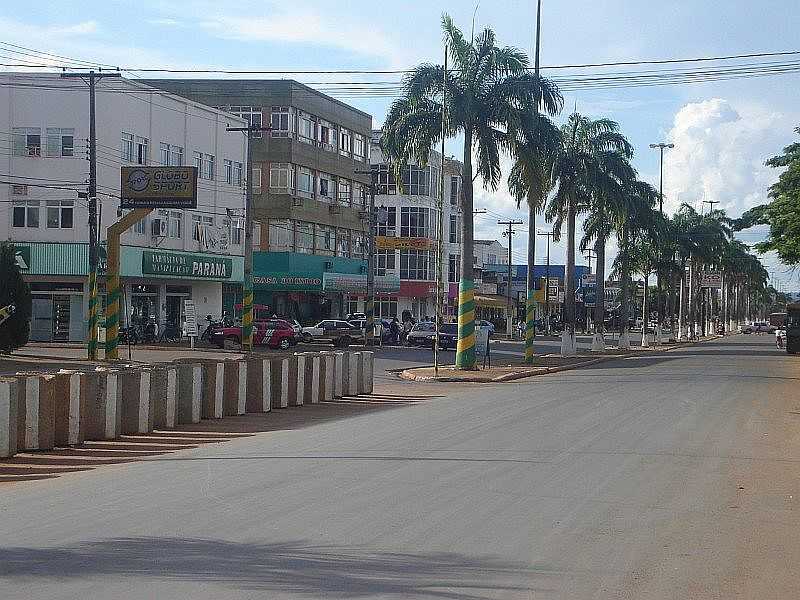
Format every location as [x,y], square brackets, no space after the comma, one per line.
[422,334]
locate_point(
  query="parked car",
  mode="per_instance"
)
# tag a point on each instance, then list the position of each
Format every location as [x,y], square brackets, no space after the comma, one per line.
[448,335]
[422,334]
[332,331]
[357,316]
[274,333]
[757,327]
[296,327]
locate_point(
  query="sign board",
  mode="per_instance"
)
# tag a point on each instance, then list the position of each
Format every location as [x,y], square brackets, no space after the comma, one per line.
[158,187]
[555,281]
[286,282]
[481,341]
[589,279]
[553,291]
[711,279]
[399,243]
[195,266]
[355,283]
[190,312]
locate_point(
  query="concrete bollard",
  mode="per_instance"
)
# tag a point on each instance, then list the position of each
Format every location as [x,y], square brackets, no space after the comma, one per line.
[327,375]
[36,423]
[340,374]
[104,405]
[279,382]
[234,400]
[189,390]
[353,369]
[164,394]
[72,407]
[137,404]
[291,378]
[8,417]
[300,380]
[259,387]
[368,372]
[313,374]
[213,389]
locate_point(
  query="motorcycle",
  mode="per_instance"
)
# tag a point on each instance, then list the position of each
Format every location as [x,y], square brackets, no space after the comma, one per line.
[211,328]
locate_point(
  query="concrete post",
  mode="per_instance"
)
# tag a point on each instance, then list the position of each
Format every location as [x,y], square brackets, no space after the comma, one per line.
[137,408]
[213,389]
[313,373]
[35,412]
[259,387]
[163,391]
[353,368]
[327,375]
[105,410]
[292,380]
[8,417]
[190,390]
[341,386]
[235,395]
[279,382]
[72,408]
[368,367]
[300,382]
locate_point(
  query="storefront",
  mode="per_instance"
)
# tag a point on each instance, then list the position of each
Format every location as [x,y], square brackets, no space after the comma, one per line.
[155,284]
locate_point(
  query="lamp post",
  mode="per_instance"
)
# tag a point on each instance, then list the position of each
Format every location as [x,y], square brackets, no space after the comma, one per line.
[661,146]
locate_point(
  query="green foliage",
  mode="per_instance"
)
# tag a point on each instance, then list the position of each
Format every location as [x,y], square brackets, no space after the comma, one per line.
[14,332]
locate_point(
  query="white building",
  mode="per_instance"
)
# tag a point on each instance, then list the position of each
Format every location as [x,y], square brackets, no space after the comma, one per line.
[45,122]
[407,233]
[489,252]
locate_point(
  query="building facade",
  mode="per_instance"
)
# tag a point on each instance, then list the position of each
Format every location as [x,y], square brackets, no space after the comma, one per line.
[45,123]
[310,191]
[407,234]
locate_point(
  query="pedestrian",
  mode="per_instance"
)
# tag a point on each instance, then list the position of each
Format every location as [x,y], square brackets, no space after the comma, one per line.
[394,329]
[521,329]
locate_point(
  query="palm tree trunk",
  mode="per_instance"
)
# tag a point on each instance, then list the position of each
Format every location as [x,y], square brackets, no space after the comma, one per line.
[599,342]
[645,309]
[568,337]
[465,353]
[682,303]
[530,304]
[624,338]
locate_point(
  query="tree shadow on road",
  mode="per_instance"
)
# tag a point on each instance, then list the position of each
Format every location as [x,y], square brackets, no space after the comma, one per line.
[290,567]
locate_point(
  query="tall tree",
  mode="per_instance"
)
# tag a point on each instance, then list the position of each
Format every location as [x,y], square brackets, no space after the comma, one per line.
[577,173]
[15,331]
[486,90]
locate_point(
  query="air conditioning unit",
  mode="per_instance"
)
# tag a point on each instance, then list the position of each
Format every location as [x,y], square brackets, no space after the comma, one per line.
[297,202]
[158,228]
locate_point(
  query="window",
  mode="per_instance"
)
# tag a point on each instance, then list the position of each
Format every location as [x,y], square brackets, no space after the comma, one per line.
[59,214]
[386,183]
[326,240]
[197,159]
[126,147]
[60,142]
[255,173]
[176,156]
[343,242]
[359,147]
[385,309]
[390,227]
[26,213]
[455,229]
[305,128]
[433,181]
[175,224]
[27,141]
[453,268]
[237,173]
[359,245]
[305,186]
[282,122]
[345,142]
[414,264]
[208,165]
[140,227]
[304,237]
[327,187]
[281,176]
[199,224]
[491,259]
[345,194]
[455,189]
[228,165]
[327,135]
[359,194]
[251,114]
[384,261]
[164,150]
[235,230]
[281,237]
[415,222]
[141,150]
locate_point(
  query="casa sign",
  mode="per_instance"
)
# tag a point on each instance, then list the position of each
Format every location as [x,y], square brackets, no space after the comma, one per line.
[158,187]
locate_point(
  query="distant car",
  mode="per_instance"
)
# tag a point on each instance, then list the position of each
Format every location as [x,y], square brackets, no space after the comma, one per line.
[422,334]
[357,316]
[333,331]
[746,328]
[273,333]
[448,335]
[757,327]
[296,327]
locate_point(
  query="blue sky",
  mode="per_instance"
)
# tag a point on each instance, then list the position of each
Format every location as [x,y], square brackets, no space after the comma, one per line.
[723,131]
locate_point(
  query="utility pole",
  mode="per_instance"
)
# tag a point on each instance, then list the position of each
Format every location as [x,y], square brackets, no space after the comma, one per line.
[369,308]
[711,204]
[548,234]
[589,257]
[509,233]
[440,226]
[247,292]
[661,147]
[92,77]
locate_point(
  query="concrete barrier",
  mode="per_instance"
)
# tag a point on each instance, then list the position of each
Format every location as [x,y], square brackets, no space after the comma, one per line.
[36,422]
[164,394]
[299,380]
[315,375]
[259,386]
[353,370]
[189,393]
[104,401]
[8,417]
[368,372]
[72,407]
[340,374]
[137,404]
[234,401]
[327,375]
[279,382]
[213,389]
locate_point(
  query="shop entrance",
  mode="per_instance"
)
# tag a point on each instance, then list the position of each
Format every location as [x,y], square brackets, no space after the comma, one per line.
[176,294]
[57,312]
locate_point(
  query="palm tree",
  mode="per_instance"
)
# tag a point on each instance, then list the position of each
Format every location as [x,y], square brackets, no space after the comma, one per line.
[577,172]
[486,90]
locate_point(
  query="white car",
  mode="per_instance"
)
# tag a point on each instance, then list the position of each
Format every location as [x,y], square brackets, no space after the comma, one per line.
[334,331]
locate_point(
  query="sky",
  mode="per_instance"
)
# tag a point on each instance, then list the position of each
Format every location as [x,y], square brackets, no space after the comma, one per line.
[723,131]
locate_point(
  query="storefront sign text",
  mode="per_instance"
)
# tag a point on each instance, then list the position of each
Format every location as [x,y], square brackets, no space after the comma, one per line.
[186,265]
[396,243]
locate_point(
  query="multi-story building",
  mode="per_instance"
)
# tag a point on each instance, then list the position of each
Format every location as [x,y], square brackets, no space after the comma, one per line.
[45,125]
[407,220]
[310,190]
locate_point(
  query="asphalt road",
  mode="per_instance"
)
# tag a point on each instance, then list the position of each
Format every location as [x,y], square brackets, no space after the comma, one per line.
[665,476]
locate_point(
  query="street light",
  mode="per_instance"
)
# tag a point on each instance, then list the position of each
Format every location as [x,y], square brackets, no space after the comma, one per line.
[661,147]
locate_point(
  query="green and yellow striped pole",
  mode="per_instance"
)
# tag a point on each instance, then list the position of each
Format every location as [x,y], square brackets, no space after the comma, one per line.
[465,349]
[530,315]
[247,312]
[93,312]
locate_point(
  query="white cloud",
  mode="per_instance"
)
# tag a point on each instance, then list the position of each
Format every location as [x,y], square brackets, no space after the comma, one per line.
[719,154]
[83,28]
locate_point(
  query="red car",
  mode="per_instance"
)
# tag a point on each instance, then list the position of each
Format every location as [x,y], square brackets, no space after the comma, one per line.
[275,333]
